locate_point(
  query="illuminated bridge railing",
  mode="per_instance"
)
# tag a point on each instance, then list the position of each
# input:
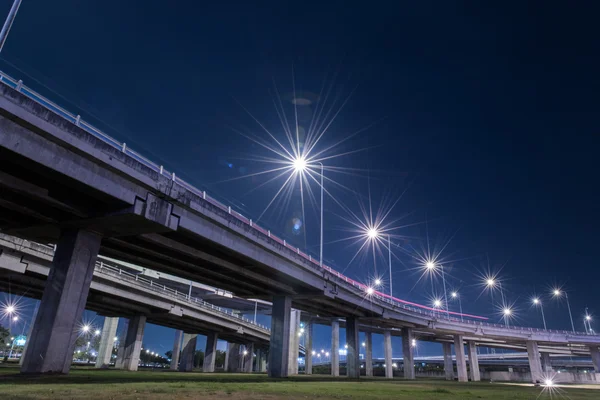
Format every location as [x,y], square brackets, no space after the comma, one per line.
[76,119]
[103,267]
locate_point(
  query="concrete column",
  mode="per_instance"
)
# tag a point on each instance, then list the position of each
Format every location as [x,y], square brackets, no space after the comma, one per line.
[448,363]
[408,353]
[474,373]
[387,348]
[280,337]
[54,332]
[461,364]
[248,358]
[33,317]
[353,353]
[261,365]
[335,346]
[226,362]
[308,348]
[294,342]
[368,354]
[546,364]
[107,341]
[233,357]
[595,358]
[188,350]
[176,350]
[210,353]
[121,349]
[535,366]
[133,342]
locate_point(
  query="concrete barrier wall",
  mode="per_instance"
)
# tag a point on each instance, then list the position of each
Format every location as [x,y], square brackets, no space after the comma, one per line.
[562,377]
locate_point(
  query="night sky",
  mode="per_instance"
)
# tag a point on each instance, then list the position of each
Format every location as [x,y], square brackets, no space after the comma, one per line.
[484,116]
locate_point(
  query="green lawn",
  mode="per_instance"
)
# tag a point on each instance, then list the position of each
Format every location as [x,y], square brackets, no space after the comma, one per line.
[110,384]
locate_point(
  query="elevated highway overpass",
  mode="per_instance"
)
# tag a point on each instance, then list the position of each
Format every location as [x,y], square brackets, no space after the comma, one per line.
[65,182]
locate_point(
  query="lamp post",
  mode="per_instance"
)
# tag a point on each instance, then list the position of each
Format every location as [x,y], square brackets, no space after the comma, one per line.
[390,262]
[558,293]
[431,266]
[507,313]
[321,239]
[537,301]
[8,23]
[456,296]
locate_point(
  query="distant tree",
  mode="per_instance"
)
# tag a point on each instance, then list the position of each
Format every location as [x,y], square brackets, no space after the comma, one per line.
[4,334]
[220,358]
[169,354]
[198,358]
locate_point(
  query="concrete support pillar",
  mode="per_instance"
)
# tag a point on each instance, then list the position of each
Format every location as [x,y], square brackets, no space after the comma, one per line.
[308,347]
[280,337]
[248,358]
[107,341]
[335,346]
[546,364]
[448,363]
[533,353]
[595,358]
[408,353]
[387,349]
[461,364]
[294,342]
[188,350]
[54,332]
[210,353]
[368,354]
[133,342]
[176,350]
[33,317]
[121,349]
[261,361]
[353,353]
[233,357]
[474,373]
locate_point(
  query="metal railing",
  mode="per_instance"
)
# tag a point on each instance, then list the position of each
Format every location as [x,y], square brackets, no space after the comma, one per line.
[106,268]
[314,262]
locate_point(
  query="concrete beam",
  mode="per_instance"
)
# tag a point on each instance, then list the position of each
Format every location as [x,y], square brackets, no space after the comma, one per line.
[475,374]
[188,350]
[133,342]
[368,354]
[448,363]
[533,354]
[210,353]
[308,347]
[280,336]
[353,354]
[65,294]
[408,353]
[595,358]
[461,364]
[335,346]
[176,350]
[387,348]
[107,341]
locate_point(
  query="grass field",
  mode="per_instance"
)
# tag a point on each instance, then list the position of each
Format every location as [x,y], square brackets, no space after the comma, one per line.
[112,384]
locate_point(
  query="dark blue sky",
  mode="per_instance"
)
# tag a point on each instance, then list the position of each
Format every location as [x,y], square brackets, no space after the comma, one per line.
[487,114]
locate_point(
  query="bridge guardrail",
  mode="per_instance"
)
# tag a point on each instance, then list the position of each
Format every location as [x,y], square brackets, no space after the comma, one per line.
[76,119]
[103,267]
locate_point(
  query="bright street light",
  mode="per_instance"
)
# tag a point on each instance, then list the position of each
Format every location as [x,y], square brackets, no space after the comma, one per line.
[85,328]
[490,282]
[437,303]
[10,309]
[372,233]
[557,293]
[537,301]
[299,164]
[97,332]
[363,344]
[507,311]
[370,290]
[430,265]
[377,282]
[15,319]
[454,294]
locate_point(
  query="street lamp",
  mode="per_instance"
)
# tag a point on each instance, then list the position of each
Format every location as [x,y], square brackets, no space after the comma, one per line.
[9,21]
[321,238]
[431,266]
[558,293]
[507,313]
[456,296]
[538,302]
